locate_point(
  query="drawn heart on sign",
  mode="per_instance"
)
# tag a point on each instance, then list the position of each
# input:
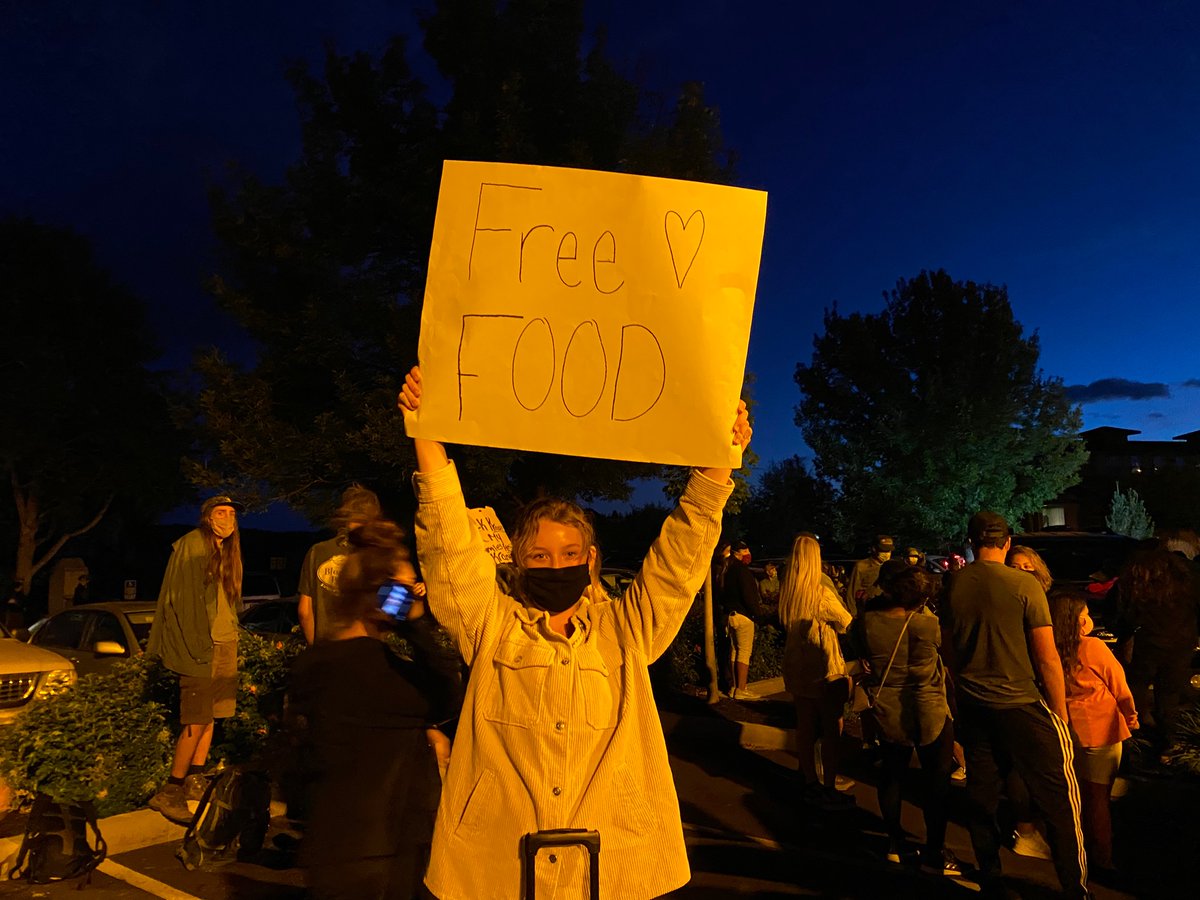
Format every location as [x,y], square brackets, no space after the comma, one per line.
[679,241]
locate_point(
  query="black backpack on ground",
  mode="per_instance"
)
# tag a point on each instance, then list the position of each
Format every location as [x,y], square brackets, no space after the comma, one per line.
[55,846]
[231,819]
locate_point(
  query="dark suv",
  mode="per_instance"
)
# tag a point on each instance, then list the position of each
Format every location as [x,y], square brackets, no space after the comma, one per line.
[1082,558]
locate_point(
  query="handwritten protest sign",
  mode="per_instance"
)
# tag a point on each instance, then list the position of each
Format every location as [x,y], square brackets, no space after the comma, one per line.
[588,313]
[495,538]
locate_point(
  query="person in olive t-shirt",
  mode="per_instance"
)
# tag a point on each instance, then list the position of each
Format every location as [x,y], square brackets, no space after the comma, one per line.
[996,633]
[319,573]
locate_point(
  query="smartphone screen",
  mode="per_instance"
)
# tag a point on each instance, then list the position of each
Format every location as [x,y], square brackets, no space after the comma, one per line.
[395,600]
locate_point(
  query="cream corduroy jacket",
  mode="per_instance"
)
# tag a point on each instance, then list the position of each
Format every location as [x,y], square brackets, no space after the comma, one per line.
[559,732]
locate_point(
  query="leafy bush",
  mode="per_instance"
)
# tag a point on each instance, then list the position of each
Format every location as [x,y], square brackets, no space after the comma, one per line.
[683,663]
[264,667]
[111,737]
[103,740]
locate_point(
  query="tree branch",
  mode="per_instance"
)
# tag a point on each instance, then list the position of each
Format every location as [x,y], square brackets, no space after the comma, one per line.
[58,544]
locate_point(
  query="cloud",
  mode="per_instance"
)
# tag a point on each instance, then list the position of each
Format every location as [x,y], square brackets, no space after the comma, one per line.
[1117,389]
[1192,382]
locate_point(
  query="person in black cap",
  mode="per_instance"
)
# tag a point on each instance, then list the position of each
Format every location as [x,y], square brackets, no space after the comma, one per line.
[862,585]
[742,603]
[195,634]
[998,640]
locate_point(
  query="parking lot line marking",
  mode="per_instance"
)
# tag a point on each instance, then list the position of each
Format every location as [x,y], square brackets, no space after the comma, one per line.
[143,882]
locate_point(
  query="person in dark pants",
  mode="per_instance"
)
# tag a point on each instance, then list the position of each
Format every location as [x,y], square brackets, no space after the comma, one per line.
[898,640]
[996,632]
[364,724]
[1158,598]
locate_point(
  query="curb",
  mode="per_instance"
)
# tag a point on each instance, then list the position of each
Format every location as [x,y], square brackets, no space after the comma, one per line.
[122,833]
[719,728]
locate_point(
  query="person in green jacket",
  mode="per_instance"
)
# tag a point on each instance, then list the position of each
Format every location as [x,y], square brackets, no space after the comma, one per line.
[195,634]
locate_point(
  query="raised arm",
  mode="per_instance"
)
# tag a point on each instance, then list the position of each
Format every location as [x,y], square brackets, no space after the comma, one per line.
[431,455]
[461,576]
[655,605]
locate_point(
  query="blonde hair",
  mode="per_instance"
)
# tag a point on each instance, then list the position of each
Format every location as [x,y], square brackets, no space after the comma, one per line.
[224,558]
[563,512]
[800,593]
[1041,571]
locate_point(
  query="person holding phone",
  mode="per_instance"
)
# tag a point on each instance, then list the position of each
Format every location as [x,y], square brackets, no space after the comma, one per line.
[559,729]
[365,724]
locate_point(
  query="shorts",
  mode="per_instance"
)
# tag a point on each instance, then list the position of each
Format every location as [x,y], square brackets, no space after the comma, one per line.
[1098,765]
[741,636]
[203,698]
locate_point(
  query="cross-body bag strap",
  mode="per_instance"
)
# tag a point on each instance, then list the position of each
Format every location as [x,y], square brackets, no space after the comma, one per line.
[891,660]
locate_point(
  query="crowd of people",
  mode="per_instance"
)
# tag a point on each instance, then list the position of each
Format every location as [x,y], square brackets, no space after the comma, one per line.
[418,781]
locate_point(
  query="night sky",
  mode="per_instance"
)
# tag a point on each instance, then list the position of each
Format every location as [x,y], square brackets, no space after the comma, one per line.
[1051,147]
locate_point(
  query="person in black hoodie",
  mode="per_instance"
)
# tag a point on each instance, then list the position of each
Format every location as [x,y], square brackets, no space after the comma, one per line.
[365,723]
[742,604]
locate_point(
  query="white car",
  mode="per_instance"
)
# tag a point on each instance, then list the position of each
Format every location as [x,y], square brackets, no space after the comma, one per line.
[29,674]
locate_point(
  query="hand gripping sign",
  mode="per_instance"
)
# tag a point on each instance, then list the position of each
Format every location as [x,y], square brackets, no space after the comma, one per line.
[588,313]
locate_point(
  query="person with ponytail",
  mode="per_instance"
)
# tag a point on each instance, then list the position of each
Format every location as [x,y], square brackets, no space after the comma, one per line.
[195,634]
[365,723]
[1102,712]
[559,728]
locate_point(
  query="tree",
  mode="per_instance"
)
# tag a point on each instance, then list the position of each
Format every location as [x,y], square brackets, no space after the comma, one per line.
[326,271]
[933,409]
[89,427]
[1127,515]
[788,499]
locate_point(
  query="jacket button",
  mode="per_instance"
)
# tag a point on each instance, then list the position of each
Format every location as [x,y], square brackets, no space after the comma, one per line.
[559,726]
[565,661]
[553,858]
[556,791]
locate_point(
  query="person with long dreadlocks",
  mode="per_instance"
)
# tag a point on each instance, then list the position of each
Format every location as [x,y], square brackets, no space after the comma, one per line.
[195,634]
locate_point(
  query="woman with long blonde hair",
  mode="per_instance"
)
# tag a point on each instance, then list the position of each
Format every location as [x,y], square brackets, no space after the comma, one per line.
[814,671]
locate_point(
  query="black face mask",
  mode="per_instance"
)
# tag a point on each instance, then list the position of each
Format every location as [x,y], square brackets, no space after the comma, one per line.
[556,590]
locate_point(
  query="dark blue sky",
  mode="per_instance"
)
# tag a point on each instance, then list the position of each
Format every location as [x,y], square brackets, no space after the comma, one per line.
[1051,147]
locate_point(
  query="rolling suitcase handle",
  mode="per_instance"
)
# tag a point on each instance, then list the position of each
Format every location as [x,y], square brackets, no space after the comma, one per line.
[562,837]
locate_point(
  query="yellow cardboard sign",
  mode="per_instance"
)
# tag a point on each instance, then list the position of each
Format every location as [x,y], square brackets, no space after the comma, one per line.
[588,313]
[495,538]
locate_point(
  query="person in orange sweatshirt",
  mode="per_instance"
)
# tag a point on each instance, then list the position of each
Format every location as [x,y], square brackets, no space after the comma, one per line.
[1102,712]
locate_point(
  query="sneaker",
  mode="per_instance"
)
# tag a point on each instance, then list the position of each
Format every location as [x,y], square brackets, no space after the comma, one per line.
[171,801]
[745,694]
[194,787]
[944,863]
[959,775]
[835,801]
[842,783]
[1031,845]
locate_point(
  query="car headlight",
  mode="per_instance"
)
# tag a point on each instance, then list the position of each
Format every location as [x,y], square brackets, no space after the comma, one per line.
[56,682]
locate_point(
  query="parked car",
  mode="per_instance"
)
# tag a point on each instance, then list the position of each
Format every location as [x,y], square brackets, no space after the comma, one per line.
[616,580]
[272,619]
[29,674]
[95,636]
[260,586]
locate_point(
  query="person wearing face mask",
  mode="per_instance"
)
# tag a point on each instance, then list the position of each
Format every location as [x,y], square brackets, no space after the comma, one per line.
[195,634]
[559,727]
[862,585]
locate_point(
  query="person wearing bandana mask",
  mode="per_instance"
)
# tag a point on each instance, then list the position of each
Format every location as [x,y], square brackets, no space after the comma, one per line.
[559,727]
[195,635]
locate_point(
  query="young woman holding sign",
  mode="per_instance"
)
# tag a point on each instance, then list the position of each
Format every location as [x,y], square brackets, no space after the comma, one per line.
[559,728]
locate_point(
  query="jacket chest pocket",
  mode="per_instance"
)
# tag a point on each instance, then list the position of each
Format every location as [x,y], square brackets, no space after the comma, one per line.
[520,672]
[601,686]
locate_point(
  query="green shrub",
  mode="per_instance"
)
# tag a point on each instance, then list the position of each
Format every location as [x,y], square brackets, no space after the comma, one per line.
[264,667]
[103,740]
